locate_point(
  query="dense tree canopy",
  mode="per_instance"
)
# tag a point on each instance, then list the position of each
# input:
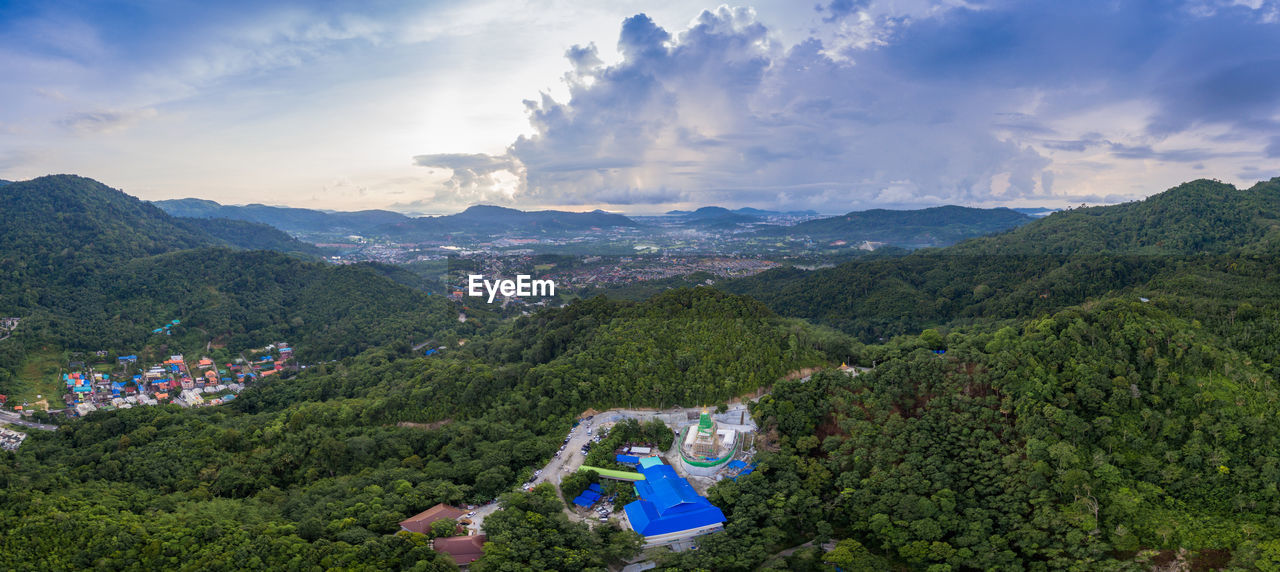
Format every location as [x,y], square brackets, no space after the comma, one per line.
[1048,409]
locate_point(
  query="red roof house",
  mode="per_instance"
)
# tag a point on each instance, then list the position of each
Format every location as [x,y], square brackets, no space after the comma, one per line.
[421,522]
[463,549]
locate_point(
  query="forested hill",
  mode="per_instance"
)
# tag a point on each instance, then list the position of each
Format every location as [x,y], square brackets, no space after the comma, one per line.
[250,235]
[64,225]
[716,217]
[1201,216]
[1114,437]
[319,469]
[937,226]
[60,225]
[1171,243]
[87,267]
[288,219]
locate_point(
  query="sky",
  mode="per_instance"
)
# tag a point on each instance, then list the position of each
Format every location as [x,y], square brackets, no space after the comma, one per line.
[642,106]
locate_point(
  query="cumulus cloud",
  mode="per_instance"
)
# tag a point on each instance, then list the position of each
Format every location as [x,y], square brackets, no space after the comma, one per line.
[477,177]
[945,102]
[721,112]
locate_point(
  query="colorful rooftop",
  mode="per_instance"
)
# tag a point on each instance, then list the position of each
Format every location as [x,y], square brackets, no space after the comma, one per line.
[668,503]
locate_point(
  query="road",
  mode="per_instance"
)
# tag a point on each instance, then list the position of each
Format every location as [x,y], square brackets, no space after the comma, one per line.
[15,419]
[571,457]
[554,471]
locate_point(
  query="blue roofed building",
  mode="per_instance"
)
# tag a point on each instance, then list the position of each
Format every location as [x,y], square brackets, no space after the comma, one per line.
[670,512]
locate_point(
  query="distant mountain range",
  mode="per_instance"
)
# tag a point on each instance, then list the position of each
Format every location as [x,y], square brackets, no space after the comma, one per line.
[746,211]
[478,221]
[487,220]
[288,219]
[937,226]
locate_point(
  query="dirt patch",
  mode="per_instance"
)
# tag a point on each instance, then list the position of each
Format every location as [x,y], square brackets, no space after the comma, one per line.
[801,373]
[1183,560]
[42,404]
[425,426]
[768,441]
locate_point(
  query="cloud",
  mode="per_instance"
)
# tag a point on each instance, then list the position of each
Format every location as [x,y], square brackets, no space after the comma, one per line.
[1273,148]
[721,111]
[95,122]
[1172,155]
[475,177]
[838,9]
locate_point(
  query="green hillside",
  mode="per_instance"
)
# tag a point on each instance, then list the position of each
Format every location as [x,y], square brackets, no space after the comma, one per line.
[322,467]
[1201,216]
[1095,390]
[90,268]
[1107,437]
[937,226]
[61,226]
[1199,229]
[251,236]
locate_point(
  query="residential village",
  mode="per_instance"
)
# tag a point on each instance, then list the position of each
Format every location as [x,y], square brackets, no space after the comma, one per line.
[10,439]
[184,381]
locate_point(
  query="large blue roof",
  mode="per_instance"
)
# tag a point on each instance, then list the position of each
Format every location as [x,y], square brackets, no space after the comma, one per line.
[668,504]
[586,499]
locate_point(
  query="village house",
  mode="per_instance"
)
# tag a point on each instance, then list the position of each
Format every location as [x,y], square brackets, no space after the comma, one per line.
[421,522]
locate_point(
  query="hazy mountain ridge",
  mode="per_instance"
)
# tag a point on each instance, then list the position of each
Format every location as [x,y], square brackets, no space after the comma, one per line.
[288,219]
[747,211]
[477,220]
